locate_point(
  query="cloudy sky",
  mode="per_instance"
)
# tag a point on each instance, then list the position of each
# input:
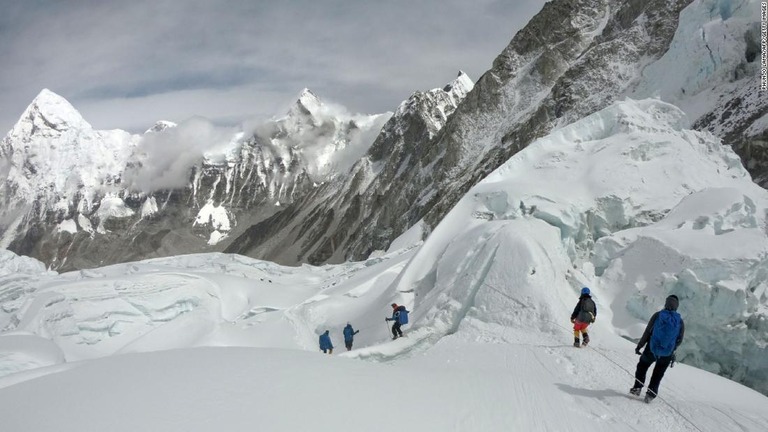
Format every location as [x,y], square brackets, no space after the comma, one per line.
[126,64]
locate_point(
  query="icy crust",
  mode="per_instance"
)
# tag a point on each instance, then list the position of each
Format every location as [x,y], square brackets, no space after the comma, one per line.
[18,275]
[11,264]
[508,273]
[21,352]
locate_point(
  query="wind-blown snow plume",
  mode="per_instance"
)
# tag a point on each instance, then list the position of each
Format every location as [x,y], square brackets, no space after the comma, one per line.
[168,156]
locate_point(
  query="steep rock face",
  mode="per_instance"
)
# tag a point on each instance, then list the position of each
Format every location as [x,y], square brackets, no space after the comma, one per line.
[350,217]
[742,122]
[76,198]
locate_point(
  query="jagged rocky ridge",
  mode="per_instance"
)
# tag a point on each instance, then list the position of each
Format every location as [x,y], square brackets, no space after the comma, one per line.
[362,211]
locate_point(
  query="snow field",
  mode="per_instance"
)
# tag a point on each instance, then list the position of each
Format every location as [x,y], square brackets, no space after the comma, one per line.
[460,384]
[490,290]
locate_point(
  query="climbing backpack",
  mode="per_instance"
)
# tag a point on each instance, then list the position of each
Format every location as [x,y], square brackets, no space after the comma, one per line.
[665,331]
[402,317]
[587,312]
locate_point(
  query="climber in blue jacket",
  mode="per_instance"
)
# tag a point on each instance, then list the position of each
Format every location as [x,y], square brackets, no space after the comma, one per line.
[349,336]
[400,317]
[325,343]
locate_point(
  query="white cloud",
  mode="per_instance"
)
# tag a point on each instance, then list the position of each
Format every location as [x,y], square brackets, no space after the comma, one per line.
[127,64]
[168,156]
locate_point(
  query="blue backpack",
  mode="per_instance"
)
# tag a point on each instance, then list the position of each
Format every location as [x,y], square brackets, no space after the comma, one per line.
[665,331]
[402,317]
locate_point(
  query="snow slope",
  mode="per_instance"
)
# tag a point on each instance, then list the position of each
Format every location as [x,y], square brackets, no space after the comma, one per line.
[625,200]
[484,377]
[224,342]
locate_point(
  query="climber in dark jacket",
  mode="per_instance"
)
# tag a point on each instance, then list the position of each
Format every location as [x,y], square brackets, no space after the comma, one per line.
[660,347]
[400,317]
[583,315]
[349,336]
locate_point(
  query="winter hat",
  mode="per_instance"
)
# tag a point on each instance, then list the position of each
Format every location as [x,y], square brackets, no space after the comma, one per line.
[394,305]
[585,291]
[672,302]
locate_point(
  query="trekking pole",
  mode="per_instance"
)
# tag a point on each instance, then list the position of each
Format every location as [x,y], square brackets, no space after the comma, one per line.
[386,323]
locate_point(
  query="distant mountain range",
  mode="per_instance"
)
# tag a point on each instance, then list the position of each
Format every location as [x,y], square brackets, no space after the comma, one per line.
[321,185]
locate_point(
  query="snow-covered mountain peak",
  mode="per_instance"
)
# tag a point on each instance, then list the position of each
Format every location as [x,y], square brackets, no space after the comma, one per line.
[437,104]
[57,161]
[306,103]
[161,126]
[463,84]
[49,111]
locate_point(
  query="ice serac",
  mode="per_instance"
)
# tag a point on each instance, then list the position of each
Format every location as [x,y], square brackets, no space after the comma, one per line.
[350,216]
[711,71]
[582,206]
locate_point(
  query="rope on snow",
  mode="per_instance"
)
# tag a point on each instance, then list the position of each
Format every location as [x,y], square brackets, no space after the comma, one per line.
[595,350]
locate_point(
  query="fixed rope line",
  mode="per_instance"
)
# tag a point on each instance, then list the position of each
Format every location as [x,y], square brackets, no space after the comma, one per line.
[657,396]
[595,350]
